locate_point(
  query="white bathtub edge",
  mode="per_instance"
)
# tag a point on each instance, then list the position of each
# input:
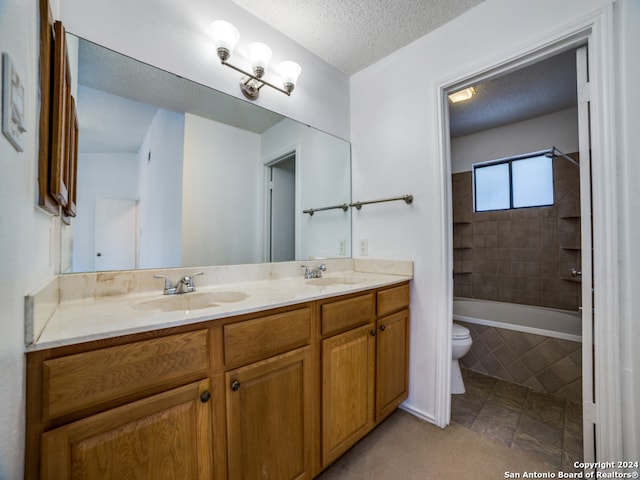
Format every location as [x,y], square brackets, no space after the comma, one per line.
[520,328]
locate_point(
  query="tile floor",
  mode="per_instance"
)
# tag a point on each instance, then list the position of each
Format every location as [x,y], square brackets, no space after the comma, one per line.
[541,424]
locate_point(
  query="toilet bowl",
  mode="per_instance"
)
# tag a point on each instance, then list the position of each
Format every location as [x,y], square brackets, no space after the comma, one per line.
[460,345]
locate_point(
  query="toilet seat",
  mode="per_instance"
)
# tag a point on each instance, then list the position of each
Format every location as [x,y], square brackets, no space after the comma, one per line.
[458,332]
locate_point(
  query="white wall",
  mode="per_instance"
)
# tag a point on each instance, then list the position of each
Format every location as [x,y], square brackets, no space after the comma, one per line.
[160,189]
[175,36]
[26,256]
[396,150]
[100,175]
[559,129]
[324,178]
[221,210]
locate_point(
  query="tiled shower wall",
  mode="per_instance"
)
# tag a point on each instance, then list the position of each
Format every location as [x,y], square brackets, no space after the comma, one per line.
[523,255]
[544,364]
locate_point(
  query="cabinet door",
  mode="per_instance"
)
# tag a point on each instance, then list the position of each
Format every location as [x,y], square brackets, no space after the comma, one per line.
[348,363]
[269,418]
[164,436]
[392,362]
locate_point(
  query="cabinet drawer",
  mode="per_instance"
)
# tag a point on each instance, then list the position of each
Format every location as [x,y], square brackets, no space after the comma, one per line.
[91,378]
[262,337]
[393,299]
[345,314]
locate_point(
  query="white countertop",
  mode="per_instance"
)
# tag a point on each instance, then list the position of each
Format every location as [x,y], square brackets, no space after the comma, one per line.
[92,318]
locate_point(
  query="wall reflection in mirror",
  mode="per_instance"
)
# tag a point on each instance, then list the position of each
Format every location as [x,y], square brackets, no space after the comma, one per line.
[172,173]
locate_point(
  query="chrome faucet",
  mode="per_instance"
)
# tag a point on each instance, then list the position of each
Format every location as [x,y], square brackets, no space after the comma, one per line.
[184,285]
[314,272]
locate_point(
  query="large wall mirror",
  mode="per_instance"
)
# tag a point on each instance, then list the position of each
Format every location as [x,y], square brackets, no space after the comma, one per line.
[175,174]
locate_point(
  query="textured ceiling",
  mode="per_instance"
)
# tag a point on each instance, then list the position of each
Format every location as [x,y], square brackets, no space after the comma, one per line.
[352,34]
[539,89]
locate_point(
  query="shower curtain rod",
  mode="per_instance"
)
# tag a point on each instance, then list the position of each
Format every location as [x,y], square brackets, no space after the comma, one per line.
[552,154]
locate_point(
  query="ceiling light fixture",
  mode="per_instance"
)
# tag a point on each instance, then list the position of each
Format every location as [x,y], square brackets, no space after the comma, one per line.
[225,38]
[462,95]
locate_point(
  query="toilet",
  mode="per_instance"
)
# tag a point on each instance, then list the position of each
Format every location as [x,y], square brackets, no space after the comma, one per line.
[460,345]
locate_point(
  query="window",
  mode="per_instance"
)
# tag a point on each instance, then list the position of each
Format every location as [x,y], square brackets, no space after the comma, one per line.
[518,182]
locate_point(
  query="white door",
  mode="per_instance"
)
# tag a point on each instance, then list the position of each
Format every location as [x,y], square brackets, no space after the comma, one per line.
[115,234]
[584,134]
[282,202]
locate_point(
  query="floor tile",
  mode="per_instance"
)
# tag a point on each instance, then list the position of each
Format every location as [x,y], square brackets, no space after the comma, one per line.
[569,461]
[478,384]
[543,425]
[551,434]
[536,446]
[544,408]
[572,441]
[465,408]
[508,394]
[497,422]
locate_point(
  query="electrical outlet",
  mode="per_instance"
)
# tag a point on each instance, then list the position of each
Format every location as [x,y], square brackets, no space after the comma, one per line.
[364,247]
[342,248]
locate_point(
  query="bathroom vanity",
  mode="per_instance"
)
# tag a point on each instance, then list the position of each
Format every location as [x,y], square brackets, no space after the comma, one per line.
[276,391]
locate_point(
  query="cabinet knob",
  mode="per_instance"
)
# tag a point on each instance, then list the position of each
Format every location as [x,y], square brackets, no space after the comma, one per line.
[235,385]
[204,398]
[382,328]
[373,333]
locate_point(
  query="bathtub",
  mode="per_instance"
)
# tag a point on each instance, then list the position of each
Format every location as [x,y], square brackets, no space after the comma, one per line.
[549,322]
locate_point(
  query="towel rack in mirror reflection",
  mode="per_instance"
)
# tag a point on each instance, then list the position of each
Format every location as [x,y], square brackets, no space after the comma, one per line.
[311,211]
[358,205]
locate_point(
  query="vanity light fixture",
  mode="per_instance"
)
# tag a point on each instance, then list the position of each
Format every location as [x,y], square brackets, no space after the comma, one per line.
[225,38]
[462,95]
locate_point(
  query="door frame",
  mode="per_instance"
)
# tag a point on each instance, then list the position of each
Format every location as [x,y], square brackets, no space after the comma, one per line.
[267,163]
[595,30]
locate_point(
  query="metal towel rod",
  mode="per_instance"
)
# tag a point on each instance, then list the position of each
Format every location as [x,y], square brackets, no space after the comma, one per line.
[344,207]
[406,198]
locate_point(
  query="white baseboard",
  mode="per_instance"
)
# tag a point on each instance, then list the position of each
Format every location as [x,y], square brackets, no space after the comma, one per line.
[418,413]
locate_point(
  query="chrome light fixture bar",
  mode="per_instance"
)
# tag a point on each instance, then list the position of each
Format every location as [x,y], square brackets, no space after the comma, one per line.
[225,38]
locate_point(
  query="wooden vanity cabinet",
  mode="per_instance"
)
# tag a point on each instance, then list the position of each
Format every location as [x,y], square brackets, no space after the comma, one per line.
[269,418]
[117,409]
[365,359]
[392,363]
[392,349]
[348,375]
[269,396]
[163,436]
[275,394]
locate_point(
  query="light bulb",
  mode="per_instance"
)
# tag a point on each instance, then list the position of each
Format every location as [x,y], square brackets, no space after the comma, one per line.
[225,37]
[289,71]
[259,55]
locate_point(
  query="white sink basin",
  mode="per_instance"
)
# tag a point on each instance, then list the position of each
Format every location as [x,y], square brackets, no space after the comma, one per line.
[190,301]
[327,281]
